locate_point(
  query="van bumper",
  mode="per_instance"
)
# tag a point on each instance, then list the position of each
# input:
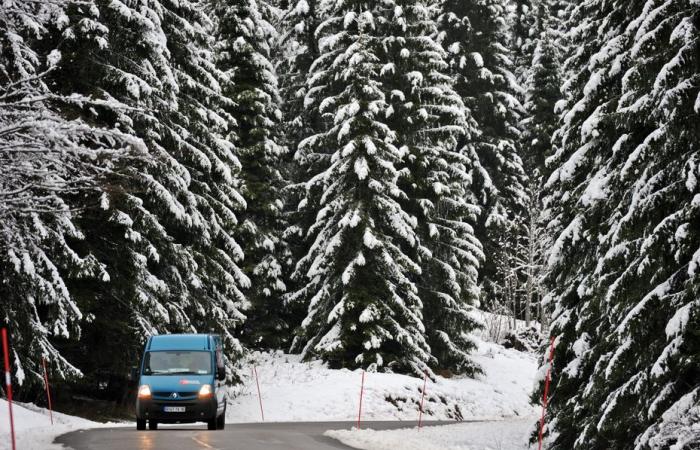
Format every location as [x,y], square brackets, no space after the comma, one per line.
[197,410]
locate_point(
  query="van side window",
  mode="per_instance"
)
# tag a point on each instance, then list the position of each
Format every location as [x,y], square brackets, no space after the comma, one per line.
[219,358]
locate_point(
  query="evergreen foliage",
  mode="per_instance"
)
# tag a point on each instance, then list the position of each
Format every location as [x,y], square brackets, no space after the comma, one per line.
[364,308]
[299,46]
[622,207]
[250,83]
[146,187]
[541,81]
[430,120]
[45,161]
[166,233]
[475,34]
[300,49]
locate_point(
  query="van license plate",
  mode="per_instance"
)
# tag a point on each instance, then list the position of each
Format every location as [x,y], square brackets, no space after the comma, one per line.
[174,408]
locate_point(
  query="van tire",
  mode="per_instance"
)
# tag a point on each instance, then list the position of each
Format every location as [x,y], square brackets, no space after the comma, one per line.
[211,424]
[140,424]
[221,421]
[152,425]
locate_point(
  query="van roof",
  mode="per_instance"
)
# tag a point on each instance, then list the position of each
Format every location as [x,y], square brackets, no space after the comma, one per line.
[180,342]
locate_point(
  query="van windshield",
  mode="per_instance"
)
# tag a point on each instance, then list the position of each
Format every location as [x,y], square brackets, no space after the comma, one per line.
[177,363]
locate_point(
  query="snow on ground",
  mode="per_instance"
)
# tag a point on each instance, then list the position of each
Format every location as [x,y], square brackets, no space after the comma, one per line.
[293,390]
[33,427]
[503,435]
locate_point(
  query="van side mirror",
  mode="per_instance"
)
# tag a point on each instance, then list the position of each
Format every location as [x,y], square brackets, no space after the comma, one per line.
[134,374]
[221,373]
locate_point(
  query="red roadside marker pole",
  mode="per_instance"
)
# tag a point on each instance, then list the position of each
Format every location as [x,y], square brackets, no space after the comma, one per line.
[422,398]
[546,390]
[262,413]
[8,384]
[48,389]
[362,390]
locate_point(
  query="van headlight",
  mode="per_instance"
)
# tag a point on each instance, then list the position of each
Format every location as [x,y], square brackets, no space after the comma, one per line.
[205,391]
[144,391]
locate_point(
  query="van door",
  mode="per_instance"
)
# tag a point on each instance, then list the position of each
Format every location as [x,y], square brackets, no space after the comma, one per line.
[220,367]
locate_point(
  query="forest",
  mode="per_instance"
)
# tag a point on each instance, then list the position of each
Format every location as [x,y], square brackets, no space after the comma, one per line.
[350,180]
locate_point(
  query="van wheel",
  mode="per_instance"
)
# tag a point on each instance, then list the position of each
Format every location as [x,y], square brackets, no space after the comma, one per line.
[211,424]
[152,425]
[140,424]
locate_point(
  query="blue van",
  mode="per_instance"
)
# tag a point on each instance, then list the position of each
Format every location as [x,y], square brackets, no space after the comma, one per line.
[180,380]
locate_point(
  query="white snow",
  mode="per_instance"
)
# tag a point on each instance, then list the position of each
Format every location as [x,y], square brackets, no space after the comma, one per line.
[597,189]
[293,390]
[33,427]
[499,435]
[679,320]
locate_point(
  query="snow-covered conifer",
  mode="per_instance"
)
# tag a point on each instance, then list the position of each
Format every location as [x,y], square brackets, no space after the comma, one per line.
[299,49]
[621,200]
[363,305]
[433,125]
[540,82]
[243,36]
[172,214]
[46,160]
[475,35]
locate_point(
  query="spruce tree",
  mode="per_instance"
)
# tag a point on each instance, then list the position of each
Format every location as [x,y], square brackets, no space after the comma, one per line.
[166,230]
[475,34]
[364,309]
[299,45]
[299,49]
[623,264]
[429,120]
[251,83]
[46,161]
[523,34]
[540,83]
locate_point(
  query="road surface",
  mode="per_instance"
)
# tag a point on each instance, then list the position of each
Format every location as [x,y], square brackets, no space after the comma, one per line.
[259,436]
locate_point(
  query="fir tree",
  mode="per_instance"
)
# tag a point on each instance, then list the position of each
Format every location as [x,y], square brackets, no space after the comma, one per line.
[251,83]
[429,119]
[523,33]
[45,161]
[475,35]
[364,309]
[166,233]
[300,19]
[540,83]
[623,264]
[299,45]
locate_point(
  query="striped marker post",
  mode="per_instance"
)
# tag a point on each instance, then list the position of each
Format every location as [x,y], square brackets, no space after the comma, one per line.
[422,399]
[257,383]
[48,389]
[8,384]
[546,390]
[359,412]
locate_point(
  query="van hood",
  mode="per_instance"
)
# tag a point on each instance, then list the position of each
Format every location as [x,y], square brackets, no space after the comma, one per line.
[176,383]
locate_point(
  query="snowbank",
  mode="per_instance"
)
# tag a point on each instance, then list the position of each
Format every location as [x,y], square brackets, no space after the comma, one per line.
[308,391]
[501,435]
[33,427]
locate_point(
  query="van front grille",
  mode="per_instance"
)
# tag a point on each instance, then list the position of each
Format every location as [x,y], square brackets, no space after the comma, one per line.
[179,396]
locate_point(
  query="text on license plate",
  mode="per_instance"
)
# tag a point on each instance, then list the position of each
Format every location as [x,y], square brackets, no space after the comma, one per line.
[174,408]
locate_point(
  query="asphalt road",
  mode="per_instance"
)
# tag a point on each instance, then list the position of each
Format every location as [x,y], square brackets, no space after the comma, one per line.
[259,436]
